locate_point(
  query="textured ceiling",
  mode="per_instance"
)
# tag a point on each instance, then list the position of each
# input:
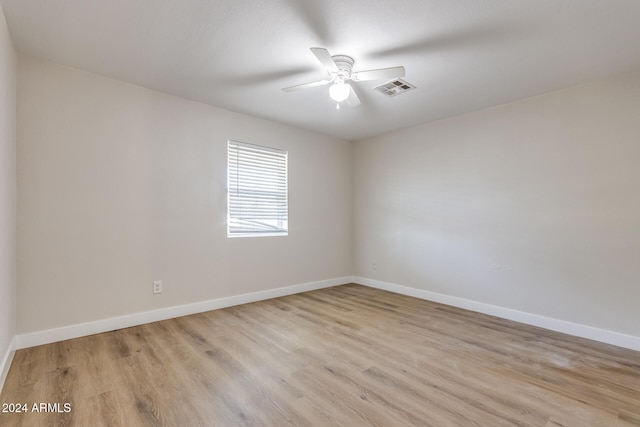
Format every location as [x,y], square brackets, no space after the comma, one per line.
[462,55]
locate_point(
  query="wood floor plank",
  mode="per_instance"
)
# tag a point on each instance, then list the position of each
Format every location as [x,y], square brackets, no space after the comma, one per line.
[342,356]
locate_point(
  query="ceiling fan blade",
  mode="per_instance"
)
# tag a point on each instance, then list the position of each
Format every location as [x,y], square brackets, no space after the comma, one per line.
[325,59]
[353,100]
[306,85]
[379,74]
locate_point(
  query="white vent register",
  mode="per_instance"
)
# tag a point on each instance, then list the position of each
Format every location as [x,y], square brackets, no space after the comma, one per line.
[394,87]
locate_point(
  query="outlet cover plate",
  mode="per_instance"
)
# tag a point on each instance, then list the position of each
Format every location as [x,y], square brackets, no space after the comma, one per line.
[157,286]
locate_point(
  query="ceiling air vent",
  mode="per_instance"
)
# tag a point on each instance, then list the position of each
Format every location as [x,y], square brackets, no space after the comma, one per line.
[394,87]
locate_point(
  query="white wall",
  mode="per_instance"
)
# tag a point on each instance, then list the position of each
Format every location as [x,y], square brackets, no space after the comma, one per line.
[533,206]
[120,186]
[7,191]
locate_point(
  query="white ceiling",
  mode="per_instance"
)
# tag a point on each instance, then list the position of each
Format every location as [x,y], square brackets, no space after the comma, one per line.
[462,55]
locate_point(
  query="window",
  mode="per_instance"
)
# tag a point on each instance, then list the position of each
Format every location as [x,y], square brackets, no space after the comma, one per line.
[257,191]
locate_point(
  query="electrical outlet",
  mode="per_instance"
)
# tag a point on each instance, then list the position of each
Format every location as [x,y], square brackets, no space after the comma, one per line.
[157,286]
[374,266]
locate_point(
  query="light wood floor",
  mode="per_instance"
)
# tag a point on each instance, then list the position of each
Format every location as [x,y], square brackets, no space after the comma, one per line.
[347,355]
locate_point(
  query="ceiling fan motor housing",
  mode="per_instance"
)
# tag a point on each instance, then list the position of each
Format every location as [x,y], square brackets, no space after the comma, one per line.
[344,64]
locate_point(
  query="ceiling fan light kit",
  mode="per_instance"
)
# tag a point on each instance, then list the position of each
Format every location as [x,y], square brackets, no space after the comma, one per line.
[339,91]
[340,70]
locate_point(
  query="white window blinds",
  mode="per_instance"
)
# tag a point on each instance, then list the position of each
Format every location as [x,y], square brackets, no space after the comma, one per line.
[257,190]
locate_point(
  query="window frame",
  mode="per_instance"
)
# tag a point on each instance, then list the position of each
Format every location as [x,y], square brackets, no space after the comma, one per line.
[263,171]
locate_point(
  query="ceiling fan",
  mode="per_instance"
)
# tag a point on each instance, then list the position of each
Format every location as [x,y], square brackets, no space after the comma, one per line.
[339,68]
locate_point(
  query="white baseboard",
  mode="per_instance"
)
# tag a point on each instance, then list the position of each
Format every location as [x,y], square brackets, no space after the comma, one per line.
[575,329]
[105,325]
[6,361]
[111,324]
